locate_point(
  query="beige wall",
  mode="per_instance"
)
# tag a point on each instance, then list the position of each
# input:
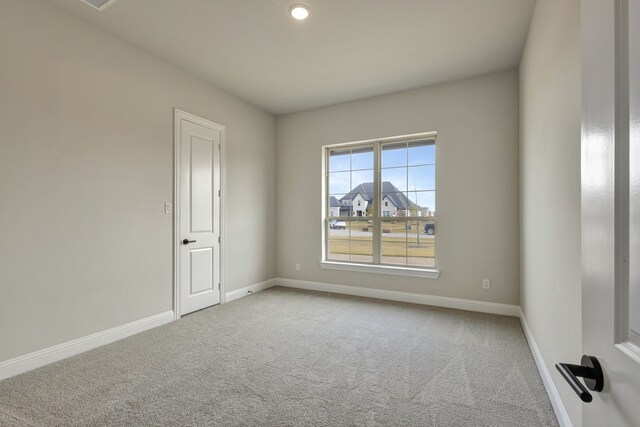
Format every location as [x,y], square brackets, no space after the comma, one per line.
[86,164]
[550,187]
[477,175]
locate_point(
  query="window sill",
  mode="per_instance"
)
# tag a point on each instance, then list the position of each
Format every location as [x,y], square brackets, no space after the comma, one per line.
[381,269]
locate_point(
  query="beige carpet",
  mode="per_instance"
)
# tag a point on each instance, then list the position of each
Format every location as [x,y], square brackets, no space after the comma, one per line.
[293,358]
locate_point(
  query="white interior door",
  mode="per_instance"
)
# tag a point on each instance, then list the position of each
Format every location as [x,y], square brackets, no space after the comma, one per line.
[199,150]
[611,207]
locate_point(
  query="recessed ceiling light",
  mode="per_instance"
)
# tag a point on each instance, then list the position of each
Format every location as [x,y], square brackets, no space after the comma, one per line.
[99,4]
[299,12]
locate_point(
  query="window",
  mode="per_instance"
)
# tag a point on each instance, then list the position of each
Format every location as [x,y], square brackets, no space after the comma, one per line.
[399,232]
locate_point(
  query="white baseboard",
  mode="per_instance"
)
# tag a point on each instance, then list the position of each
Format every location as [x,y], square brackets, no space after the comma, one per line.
[20,364]
[549,385]
[248,290]
[458,303]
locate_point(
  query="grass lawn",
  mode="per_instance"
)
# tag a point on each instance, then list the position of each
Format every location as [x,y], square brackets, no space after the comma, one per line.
[391,246]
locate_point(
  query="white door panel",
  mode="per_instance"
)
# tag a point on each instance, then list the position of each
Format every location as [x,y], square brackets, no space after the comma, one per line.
[201,176]
[201,269]
[199,215]
[611,206]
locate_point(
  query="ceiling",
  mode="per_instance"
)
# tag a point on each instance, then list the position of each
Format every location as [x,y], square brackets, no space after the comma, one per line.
[345,50]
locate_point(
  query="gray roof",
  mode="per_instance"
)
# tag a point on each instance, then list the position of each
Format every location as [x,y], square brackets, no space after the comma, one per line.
[399,199]
[334,202]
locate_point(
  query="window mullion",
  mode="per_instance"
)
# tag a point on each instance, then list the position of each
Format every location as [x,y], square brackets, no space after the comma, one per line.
[377,174]
[327,206]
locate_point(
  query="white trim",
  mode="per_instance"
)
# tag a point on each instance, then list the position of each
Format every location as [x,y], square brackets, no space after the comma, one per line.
[630,349]
[438,301]
[223,216]
[399,138]
[381,269]
[176,218]
[178,116]
[27,362]
[547,380]
[248,290]
[377,218]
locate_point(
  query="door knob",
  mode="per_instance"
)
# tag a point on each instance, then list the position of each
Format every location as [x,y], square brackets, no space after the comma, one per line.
[187,241]
[590,370]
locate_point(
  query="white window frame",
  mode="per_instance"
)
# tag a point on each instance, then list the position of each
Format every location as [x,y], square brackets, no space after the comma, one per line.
[378,218]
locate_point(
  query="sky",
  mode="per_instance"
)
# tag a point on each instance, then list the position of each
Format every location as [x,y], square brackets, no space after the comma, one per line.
[411,170]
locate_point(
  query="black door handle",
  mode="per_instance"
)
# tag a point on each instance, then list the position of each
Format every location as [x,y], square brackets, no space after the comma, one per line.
[187,241]
[590,370]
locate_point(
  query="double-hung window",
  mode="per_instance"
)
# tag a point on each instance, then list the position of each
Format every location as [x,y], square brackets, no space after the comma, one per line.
[380,199]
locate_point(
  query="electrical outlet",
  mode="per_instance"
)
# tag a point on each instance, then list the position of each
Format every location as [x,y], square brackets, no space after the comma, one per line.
[486,284]
[297,267]
[168,207]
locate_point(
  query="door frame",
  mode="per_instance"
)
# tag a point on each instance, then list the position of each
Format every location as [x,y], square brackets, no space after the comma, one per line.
[180,115]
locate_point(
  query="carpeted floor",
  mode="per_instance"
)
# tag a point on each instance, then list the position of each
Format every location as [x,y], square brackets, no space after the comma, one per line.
[285,357]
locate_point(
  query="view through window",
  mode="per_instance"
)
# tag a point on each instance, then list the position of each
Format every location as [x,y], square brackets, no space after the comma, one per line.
[381,203]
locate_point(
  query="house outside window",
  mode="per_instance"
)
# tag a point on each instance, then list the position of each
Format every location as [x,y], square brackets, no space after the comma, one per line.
[393,220]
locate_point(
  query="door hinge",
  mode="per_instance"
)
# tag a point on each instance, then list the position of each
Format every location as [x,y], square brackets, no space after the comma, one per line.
[218,286]
[218,239]
[219,147]
[218,193]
